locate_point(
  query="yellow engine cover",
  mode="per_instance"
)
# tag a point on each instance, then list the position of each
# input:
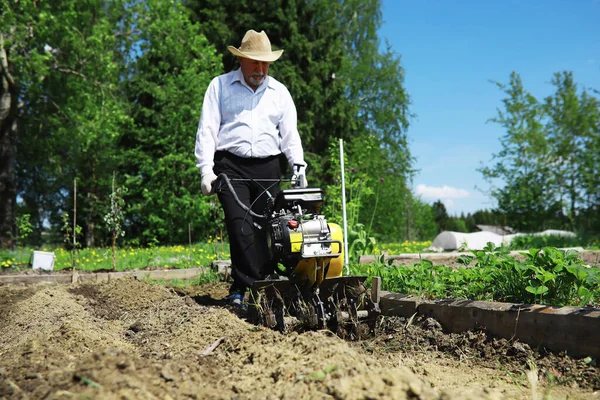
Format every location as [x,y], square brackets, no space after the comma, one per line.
[314,268]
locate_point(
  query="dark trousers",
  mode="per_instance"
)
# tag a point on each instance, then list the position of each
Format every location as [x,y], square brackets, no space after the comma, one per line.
[250,258]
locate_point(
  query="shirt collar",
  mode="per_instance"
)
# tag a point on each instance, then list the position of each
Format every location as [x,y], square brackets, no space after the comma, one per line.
[239,77]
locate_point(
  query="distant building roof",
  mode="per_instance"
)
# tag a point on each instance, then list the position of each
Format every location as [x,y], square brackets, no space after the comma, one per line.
[499,230]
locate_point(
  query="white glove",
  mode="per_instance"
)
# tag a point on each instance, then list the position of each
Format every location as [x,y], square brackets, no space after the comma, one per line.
[300,176]
[207,181]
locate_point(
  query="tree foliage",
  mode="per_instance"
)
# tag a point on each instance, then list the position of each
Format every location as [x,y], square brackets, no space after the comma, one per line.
[549,160]
[168,74]
[64,58]
[344,87]
[572,128]
[523,163]
[105,86]
[88,88]
[311,34]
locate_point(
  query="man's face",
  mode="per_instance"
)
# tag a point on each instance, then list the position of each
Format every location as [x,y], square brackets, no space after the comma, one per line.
[254,72]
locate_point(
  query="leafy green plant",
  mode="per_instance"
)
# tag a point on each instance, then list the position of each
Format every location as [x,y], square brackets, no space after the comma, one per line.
[153,248]
[70,237]
[566,279]
[541,241]
[547,276]
[361,244]
[24,228]
[114,218]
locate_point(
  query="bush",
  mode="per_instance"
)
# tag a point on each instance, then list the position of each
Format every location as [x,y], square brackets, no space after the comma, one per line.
[540,241]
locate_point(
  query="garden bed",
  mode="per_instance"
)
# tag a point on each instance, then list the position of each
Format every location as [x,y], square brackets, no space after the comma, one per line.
[589,257]
[125,338]
[573,330]
[93,338]
[569,329]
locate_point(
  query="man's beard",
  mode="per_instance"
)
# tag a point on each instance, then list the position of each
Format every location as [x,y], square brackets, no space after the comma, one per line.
[256,80]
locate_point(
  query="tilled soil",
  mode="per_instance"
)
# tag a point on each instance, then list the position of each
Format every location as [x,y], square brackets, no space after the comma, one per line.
[127,339]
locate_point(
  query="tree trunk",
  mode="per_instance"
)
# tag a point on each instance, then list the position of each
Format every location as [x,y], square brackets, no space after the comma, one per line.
[8,150]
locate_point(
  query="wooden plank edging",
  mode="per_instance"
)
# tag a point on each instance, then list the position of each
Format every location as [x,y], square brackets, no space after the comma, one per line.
[575,330]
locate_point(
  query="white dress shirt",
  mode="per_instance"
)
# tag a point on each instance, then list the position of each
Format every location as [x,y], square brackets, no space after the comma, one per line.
[246,123]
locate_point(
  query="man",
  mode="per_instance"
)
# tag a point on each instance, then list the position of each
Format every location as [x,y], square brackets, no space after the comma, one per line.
[248,121]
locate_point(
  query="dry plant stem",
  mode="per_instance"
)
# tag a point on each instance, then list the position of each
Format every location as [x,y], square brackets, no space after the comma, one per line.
[516,323]
[212,347]
[532,377]
[14,386]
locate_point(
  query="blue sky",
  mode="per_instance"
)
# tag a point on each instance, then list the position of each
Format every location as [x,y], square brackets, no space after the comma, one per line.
[450,51]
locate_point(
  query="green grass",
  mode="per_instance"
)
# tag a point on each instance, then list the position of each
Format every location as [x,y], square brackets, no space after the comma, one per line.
[129,258]
[203,254]
[401,248]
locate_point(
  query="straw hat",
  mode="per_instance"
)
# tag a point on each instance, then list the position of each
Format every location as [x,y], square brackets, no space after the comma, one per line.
[256,46]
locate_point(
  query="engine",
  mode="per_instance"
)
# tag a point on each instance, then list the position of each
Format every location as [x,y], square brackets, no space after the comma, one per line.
[298,232]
